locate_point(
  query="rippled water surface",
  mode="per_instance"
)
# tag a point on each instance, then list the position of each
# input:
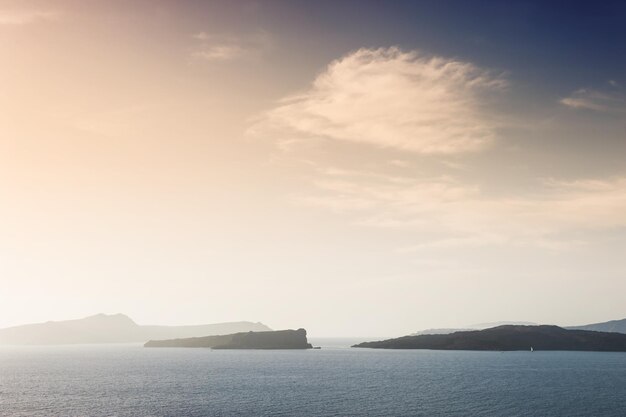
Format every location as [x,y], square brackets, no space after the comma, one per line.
[128,380]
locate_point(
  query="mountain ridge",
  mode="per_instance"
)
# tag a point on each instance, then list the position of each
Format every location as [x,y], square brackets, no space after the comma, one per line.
[479,326]
[615,326]
[113,328]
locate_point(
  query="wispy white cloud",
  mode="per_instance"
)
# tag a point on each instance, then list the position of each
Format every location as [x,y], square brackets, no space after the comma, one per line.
[391,99]
[590,99]
[217,48]
[219,53]
[451,242]
[201,36]
[401,163]
[24,17]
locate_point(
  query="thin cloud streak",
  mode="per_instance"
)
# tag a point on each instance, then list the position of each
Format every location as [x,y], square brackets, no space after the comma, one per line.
[221,48]
[589,99]
[219,53]
[25,17]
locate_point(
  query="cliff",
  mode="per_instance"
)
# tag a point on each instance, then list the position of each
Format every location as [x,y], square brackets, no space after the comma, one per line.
[114,328]
[509,338]
[282,339]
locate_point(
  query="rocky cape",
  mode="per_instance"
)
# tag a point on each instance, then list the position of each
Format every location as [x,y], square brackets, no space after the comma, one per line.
[280,339]
[507,338]
[114,328]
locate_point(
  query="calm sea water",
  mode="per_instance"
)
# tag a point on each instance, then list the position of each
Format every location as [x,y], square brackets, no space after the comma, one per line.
[128,380]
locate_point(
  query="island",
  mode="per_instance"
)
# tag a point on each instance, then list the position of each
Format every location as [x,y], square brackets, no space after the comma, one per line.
[279,339]
[508,338]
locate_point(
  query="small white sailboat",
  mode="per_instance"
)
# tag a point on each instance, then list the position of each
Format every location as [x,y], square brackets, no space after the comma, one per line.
[531,349]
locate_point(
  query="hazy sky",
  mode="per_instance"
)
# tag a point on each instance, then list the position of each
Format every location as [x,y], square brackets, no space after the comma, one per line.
[349,167]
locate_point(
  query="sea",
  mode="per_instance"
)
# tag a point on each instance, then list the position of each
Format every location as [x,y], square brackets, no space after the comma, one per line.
[129,380]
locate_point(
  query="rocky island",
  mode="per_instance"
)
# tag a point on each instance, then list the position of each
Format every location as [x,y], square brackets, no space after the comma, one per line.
[281,339]
[506,338]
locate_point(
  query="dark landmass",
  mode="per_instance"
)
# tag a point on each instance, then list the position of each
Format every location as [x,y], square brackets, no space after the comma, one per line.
[115,328]
[616,326]
[281,339]
[505,338]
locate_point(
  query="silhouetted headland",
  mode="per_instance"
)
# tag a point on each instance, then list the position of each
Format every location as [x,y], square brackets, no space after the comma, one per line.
[281,339]
[113,328]
[506,338]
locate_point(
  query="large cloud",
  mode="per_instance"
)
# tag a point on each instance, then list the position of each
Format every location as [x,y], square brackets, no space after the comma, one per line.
[391,99]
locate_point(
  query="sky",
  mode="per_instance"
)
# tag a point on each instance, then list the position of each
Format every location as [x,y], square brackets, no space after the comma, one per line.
[355,168]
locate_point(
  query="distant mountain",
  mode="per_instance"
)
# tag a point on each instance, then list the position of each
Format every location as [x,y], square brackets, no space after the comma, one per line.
[616,326]
[281,339]
[444,330]
[483,326]
[479,326]
[504,338]
[115,328]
